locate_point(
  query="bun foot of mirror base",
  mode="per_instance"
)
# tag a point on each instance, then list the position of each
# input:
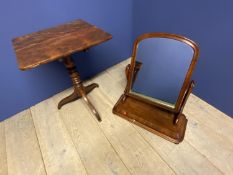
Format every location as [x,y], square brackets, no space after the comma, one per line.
[151,118]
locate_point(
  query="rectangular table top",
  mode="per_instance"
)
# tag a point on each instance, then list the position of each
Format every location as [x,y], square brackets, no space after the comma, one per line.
[51,44]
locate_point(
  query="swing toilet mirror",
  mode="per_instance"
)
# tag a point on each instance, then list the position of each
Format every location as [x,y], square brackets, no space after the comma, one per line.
[159,77]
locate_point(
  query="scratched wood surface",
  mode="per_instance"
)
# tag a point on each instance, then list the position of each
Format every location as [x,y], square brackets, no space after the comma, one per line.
[50,44]
[43,140]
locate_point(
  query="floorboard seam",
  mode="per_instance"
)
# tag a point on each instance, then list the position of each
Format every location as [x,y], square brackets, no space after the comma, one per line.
[111,101]
[38,142]
[105,134]
[154,149]
[204,156]
[212,130]
[72,141]
[5,145]
[94,118]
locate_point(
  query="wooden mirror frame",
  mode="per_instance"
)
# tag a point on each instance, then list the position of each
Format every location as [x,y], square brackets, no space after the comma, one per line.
[174,133]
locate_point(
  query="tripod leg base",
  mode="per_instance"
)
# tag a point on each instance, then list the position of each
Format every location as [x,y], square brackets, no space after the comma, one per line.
[76,95]
[80,91]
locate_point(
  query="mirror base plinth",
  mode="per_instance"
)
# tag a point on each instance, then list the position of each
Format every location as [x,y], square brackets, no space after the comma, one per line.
[151,118]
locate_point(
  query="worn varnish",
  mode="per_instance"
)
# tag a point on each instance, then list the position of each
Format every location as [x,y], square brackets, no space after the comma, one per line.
[51,44]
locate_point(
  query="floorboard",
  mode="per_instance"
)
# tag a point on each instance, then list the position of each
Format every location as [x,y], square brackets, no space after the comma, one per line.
[210,117]
[183,158]
[22,148]
[59,153]
[3,158]
[216,149]
[95,151]
[137,155]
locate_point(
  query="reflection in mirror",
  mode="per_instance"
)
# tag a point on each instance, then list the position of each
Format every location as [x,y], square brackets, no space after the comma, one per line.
[161,67]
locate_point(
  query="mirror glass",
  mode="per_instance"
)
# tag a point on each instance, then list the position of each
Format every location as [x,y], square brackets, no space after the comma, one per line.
[160,70]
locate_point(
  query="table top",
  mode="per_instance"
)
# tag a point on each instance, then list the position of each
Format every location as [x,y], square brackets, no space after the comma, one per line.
[51,44]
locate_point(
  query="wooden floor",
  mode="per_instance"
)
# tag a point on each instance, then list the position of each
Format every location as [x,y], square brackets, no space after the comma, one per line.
[43,140]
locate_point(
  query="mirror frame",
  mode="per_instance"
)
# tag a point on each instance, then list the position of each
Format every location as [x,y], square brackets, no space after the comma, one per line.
[187,80]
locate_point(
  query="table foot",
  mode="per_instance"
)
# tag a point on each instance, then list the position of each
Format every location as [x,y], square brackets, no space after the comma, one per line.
[90,87]
[92,108]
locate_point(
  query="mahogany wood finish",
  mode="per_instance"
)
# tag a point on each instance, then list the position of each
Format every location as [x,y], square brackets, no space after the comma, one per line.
[60,42]
[158,118]
[51,44]
[80,91]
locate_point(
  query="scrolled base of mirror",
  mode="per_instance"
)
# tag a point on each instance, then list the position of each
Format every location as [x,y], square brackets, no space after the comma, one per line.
[151,118]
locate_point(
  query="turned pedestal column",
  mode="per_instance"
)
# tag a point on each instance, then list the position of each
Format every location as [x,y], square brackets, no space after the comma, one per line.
[80,91]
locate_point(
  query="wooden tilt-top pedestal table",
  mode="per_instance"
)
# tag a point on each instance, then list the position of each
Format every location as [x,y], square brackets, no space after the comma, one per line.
[57,43]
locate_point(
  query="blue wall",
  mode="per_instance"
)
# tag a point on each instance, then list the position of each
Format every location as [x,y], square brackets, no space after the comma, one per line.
[210,24]
[22,89]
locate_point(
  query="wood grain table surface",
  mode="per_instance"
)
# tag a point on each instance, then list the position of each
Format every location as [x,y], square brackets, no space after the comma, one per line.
[53,43]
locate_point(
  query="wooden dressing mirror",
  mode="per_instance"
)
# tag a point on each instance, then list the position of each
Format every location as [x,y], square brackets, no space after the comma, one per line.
[159,83]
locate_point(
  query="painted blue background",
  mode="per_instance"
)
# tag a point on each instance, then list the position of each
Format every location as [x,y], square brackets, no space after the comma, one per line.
[22,89]
[209,23]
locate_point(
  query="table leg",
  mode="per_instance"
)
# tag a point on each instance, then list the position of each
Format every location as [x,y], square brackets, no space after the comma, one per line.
[80,91]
